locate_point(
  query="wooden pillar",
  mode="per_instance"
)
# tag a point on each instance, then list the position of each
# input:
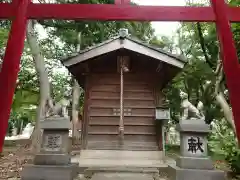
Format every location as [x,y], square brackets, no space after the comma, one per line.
[229,58]
[10,66]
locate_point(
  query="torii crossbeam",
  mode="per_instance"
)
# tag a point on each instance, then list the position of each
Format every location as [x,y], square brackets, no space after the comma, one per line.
[20,10]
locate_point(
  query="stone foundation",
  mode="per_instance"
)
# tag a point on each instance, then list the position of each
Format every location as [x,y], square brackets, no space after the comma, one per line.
[177,173]
[54,160]
[49,172]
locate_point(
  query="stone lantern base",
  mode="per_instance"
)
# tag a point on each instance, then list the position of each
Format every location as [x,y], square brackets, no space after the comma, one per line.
[54,160]
[193,162]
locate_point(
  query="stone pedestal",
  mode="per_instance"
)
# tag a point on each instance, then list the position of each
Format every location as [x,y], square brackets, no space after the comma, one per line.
[193,162]
[54,160]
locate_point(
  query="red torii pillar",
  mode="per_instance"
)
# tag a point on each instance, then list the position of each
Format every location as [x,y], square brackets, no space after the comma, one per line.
[10,66]
[229,58]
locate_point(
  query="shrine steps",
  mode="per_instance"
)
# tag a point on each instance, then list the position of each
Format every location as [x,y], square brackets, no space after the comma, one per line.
[101,160]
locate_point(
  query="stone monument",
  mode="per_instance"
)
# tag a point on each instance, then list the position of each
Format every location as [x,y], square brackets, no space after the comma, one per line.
[53,162]
[193,162]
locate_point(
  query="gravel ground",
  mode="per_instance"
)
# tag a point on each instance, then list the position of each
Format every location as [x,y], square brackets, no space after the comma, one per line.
[12,161]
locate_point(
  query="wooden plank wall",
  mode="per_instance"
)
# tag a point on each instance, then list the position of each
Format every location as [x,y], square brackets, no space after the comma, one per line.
[103,104]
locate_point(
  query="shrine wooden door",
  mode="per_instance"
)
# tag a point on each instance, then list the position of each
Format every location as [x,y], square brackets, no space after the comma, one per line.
[104,113]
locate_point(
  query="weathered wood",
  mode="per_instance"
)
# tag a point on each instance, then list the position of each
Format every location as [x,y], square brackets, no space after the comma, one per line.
[128,137]
[141,95]
[85,115]
[104,112]
[129,129]
[128,120]
[108,102]
[137,111]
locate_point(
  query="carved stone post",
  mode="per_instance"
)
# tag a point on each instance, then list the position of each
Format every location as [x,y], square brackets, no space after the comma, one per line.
[194,163]
[162,117]
[54,160]
[55,141]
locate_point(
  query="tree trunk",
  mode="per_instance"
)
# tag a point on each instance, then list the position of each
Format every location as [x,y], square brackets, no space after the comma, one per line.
[226,109]
[75,98]
[44,83]
[220,98]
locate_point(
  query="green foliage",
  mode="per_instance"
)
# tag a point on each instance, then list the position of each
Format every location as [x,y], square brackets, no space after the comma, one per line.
[93,32]
[3,37]
[3,41]
[172,148]
[199,72]
[18,120]
[223,143]
[198,78]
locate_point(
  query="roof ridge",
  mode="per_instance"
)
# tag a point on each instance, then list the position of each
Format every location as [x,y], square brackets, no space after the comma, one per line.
[130,38]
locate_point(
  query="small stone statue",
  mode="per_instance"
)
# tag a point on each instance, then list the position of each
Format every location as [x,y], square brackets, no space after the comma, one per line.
[59,109]
[190,112]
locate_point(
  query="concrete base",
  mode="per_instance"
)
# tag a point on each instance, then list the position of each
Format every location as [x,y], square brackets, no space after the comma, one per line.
[194,163]
[40,172]
[177,173]
[52,159]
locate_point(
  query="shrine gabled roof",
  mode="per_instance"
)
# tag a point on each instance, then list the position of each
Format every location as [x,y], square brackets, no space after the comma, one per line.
[128,43]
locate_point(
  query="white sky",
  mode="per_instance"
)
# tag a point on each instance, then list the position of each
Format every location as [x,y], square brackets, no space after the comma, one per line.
[163,28]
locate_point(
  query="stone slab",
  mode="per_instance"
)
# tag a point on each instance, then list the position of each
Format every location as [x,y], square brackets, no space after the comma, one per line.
[191,126]
[118,154]
[194,163]
[39,172]
[151,171]
[128,170]
[121,176]
[177,173]
[101,159]
[52,159]
[106,163]
[55,123]
[127,163]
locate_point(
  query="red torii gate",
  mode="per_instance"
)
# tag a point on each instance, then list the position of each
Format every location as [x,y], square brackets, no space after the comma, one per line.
[20,10]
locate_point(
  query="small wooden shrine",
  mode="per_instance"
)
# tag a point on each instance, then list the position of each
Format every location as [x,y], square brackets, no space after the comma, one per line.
[123,80]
